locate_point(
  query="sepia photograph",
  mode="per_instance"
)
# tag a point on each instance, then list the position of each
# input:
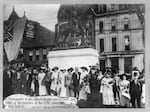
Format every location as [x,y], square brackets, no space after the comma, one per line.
[73,56]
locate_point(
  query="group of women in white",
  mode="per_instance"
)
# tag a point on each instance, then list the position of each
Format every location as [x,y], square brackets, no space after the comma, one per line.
[108,93]
[62,80]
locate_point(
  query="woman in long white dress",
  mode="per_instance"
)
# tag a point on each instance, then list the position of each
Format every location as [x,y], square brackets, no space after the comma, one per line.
[54,85]
[68,82]
[62,76]
[84,73]
[107,90]
[42,87]
[124,87]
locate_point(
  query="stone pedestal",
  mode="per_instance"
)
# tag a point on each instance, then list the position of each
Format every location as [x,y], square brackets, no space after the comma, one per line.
[65,59]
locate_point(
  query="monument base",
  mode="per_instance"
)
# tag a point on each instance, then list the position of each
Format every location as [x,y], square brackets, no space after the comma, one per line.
[65,59]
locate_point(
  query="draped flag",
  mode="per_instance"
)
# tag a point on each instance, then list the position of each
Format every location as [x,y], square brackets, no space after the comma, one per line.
[13,35]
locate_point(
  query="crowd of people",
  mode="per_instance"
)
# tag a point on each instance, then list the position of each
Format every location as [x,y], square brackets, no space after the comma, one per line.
[89,85]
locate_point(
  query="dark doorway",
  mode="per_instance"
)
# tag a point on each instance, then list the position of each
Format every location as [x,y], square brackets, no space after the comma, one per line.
[115,63]
[127,64]
[102,66]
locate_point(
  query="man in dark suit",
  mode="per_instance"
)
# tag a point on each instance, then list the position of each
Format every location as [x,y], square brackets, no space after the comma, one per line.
[94,83]
[7,83]
[36,82]
[48,80]
[76,82]
[135,91]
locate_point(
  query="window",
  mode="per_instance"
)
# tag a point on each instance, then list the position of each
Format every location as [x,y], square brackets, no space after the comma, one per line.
[113,25]
[120,6]
[104,8]
[44,54]
[114,46]
[113,28]
[37,53]
[127,43]
[126,24]
[101,45]
[123,6]
[101,8]
[114,7]
[30,55]
[100,26]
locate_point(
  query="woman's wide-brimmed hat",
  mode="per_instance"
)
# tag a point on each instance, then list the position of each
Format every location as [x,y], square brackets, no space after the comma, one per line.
[70,69]
[124,74]
[42,68]
[55,68]
[92,68]
[84,68]
[25,69]
[62,70]
[108,71]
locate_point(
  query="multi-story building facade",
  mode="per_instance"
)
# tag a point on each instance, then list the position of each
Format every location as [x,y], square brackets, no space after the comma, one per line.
[119,37]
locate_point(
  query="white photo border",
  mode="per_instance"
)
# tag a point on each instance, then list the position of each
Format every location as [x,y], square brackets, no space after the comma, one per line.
[147,51]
